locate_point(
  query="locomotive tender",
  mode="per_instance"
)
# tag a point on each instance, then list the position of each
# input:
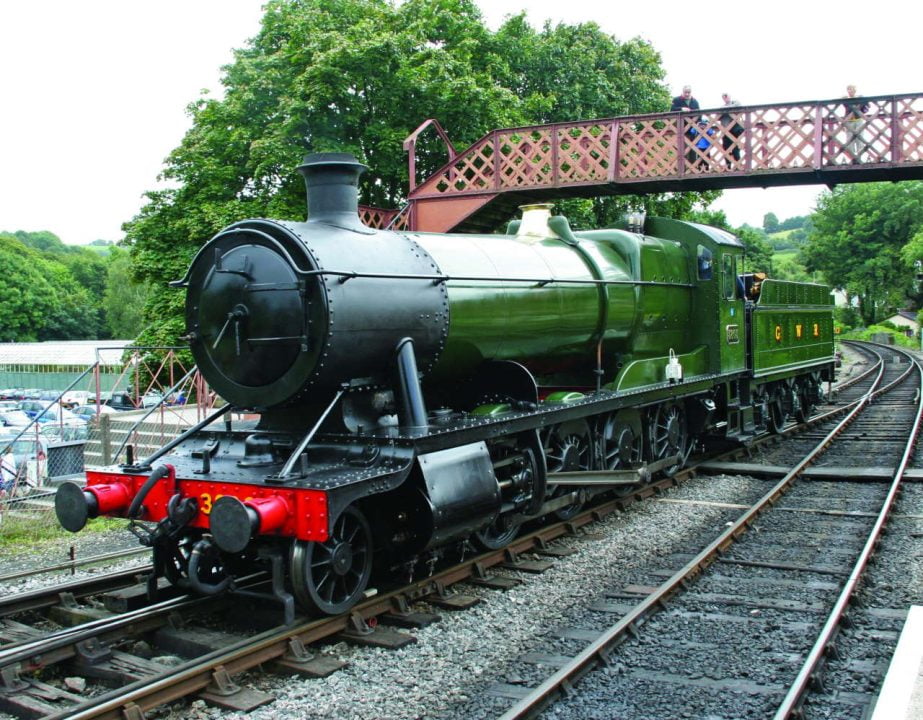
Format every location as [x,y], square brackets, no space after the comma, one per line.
[417,392]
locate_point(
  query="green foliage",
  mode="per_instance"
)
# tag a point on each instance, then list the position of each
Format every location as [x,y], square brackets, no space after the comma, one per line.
[358,76]
[56,291]
[770,222]
[758,253]
[75,313]
[867,333]
[912,254]
[27,298]
[42,297]
[846,318]
[43,241]
[786,239]
[24,533]
[857,241]
[793,223]
[786,266]
[124,298]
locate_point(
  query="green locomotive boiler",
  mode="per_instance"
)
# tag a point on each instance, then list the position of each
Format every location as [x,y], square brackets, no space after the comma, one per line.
[421,392]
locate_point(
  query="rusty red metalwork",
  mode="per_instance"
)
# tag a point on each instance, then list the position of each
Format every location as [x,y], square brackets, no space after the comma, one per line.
[376,217]
[747,146]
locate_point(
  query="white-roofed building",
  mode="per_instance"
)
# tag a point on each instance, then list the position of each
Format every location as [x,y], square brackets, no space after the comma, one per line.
[54,365]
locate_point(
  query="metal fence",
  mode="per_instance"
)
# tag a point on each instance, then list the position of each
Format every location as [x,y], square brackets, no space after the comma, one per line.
[34,466]
[140,404]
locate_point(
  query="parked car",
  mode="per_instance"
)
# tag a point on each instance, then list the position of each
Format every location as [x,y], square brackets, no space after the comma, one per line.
[14,418]
[54,432]
[73,398]
[53,412]
[30,455]
[120,400]
[89,412]
[151,398]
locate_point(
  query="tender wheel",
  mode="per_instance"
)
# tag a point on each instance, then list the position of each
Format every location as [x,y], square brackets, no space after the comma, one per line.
[807,399]
[776,412]
[568,448]
[330,577]
[622,446]
[668,435]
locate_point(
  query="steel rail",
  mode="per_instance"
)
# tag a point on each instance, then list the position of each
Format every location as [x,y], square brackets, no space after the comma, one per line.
[861,376]
[599,650]
[75,563]
[198,674]
[45,597]
[29,649]
[23,651]
[791,704]
[271,644]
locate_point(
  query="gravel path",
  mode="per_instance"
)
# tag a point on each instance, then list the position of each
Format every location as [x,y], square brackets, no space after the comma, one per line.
[54,551]
[445,675]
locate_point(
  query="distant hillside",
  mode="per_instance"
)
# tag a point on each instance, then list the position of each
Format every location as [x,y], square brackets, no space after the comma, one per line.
[101,250]
[786,239]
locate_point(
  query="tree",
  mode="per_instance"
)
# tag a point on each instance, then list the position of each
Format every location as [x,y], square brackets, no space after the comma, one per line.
[27,297]
[358,76]
[757,251]
[793,223]
[124,297]
[770,222]
[75,313]
[857,239]
[42,240]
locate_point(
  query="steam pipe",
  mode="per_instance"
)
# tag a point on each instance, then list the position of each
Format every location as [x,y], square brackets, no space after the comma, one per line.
[412,408]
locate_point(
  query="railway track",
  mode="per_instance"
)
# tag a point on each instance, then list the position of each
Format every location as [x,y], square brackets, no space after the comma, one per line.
[210,672]
[752,617]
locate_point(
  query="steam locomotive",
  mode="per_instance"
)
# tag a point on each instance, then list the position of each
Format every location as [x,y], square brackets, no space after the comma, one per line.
[419,392]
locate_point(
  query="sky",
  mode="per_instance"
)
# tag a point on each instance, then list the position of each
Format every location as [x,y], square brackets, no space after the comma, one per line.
[95,92]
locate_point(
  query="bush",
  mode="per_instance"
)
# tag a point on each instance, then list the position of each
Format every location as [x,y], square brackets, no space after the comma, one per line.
[867,333]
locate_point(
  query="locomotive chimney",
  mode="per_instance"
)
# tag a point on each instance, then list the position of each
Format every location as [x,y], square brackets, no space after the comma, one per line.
[332,182]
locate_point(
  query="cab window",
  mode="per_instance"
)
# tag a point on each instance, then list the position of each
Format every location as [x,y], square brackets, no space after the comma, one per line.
[704,263]
[729,276]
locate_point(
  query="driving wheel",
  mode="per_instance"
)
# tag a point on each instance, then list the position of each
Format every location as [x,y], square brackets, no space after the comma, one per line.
[622,446]
[520,471]
[568,449]
[668,435]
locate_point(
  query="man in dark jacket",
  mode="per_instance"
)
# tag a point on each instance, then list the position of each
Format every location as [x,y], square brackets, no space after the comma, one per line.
[684,102]
[731,131]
